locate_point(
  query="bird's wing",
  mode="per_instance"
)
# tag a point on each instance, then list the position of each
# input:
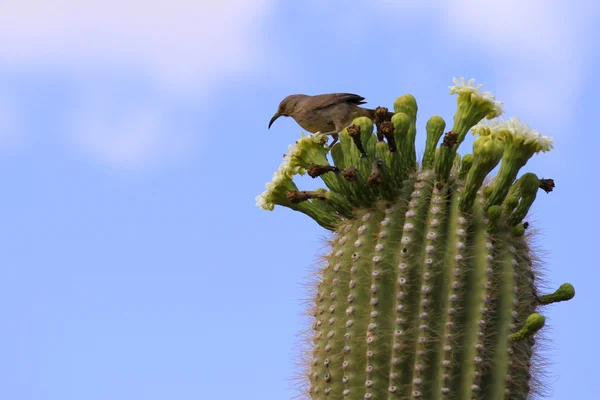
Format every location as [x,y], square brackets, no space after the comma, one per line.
[326,100]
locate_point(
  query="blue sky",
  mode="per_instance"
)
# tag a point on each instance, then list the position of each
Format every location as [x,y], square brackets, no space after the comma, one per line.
[133,140]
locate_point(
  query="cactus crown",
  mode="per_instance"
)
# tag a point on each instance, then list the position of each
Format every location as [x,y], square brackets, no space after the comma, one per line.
[429,290]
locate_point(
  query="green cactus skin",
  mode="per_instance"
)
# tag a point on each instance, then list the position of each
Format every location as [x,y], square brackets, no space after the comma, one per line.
[428,291]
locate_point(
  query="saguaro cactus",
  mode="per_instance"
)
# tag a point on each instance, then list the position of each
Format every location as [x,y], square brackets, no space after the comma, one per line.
[429,290]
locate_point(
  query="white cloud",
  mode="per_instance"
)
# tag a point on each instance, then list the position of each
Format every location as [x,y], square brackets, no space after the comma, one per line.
[539,48]
[180,42]
[124,134]
[182,47]
[178,47]
[531,26]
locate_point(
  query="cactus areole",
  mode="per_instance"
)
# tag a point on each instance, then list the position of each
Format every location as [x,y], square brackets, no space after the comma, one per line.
[429,289]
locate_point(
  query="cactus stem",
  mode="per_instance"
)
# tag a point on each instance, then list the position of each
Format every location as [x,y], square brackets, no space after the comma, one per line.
[504,315]
[383,289]
[384,297]
[413,284]
[461,283]
[477,295]
[341,286]
[358,302]
[331,292]
[525,302]
[443,359]
[432,274]
[485,248]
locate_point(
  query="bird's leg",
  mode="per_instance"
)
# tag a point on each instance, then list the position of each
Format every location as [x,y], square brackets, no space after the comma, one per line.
[335,135]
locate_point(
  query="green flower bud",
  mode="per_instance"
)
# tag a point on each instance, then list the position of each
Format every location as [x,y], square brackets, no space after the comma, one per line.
[473,106]
[520,144]
[435,129]
[487,153]
[528,187]
[534,323]
[494,213]
[465,166]
[565,292]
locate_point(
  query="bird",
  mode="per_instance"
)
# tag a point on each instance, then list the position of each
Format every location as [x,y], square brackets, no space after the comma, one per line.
[325,113]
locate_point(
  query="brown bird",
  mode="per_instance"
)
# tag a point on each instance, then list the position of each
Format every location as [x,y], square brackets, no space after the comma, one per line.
[325,113]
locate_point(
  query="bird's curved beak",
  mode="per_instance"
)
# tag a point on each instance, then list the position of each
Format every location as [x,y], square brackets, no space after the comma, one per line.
[277,115]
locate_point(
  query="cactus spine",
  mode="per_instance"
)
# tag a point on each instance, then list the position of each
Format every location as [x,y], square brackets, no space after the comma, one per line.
[429,290]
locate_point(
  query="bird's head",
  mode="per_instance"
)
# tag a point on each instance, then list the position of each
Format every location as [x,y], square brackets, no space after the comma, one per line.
[286,107]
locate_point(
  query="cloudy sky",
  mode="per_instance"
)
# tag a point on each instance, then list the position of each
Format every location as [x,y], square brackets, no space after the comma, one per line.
[133,140]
